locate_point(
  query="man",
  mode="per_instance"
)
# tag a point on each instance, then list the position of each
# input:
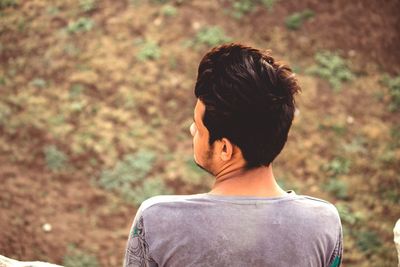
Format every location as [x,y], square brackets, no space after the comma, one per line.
[245,107]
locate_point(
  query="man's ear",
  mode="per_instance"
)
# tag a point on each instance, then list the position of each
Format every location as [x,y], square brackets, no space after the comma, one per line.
[227,149]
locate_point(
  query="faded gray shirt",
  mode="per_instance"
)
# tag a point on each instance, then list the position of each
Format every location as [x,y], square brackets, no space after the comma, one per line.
[213,230]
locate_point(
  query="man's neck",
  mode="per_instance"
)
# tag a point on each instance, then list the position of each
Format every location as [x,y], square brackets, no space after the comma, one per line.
[256,182]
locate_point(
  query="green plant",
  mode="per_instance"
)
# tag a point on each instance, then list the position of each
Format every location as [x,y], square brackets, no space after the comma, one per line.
[338,129]
[149,50]
[393,84]
[347,215]
[39,83]
[159,1]
[8,3]
[368,241]
[5,112]
[21,25]
[71,49]
[269,4]
[76,90]
[78,258]
[242,7]
[192,174]
[393,195]
[211,36]
[130,178]
[12,72]
[77,106]
[172,62]
[296,20]
[331,67]
[55,158]
[87,5]
[282,182]
[135,3]
[132,169]
[338,188]
[395,137]
[138,41]
[337,166]
[52,10]
[192,166]
[357,145]
[56,120]
[388,156]
[81,25]
[149,188]
[169,10]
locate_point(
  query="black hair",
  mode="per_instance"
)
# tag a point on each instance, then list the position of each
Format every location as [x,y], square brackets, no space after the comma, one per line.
[248,99]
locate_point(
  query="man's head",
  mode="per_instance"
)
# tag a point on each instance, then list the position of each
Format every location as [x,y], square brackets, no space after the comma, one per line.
[245,107]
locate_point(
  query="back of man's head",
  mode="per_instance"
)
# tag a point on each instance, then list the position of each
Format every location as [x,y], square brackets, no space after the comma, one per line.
[249,99]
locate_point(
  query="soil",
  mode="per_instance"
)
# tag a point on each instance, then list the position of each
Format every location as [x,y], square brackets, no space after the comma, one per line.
[97,220]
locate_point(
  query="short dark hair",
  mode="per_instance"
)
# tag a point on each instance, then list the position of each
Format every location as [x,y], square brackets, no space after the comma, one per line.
[249,99]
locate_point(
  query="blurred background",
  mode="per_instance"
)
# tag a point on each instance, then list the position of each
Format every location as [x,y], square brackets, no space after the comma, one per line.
[96,100]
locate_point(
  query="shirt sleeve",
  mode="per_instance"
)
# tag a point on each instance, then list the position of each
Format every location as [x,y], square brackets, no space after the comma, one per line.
[137,250]
[336,258]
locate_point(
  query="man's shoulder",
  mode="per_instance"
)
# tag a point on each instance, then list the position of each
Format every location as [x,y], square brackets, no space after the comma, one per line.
[318,207]
[166,200]
[314,201]
[298,202]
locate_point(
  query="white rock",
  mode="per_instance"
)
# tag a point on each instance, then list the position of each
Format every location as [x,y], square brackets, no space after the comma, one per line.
[350,119]
[7,262]
[47,227]
[157,21]
[396,232]
[196,25]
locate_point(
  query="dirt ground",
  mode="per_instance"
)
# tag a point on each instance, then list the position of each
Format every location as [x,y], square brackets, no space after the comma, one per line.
[83,89]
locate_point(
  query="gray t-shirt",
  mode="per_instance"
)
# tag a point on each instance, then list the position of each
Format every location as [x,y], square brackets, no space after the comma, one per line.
[214,230]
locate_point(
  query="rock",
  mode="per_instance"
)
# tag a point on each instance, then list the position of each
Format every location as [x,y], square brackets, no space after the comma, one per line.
[396,232]
[47,227]
[7,262]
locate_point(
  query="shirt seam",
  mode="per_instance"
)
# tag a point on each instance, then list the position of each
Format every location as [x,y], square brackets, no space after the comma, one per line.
[338,246]
[147,236]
